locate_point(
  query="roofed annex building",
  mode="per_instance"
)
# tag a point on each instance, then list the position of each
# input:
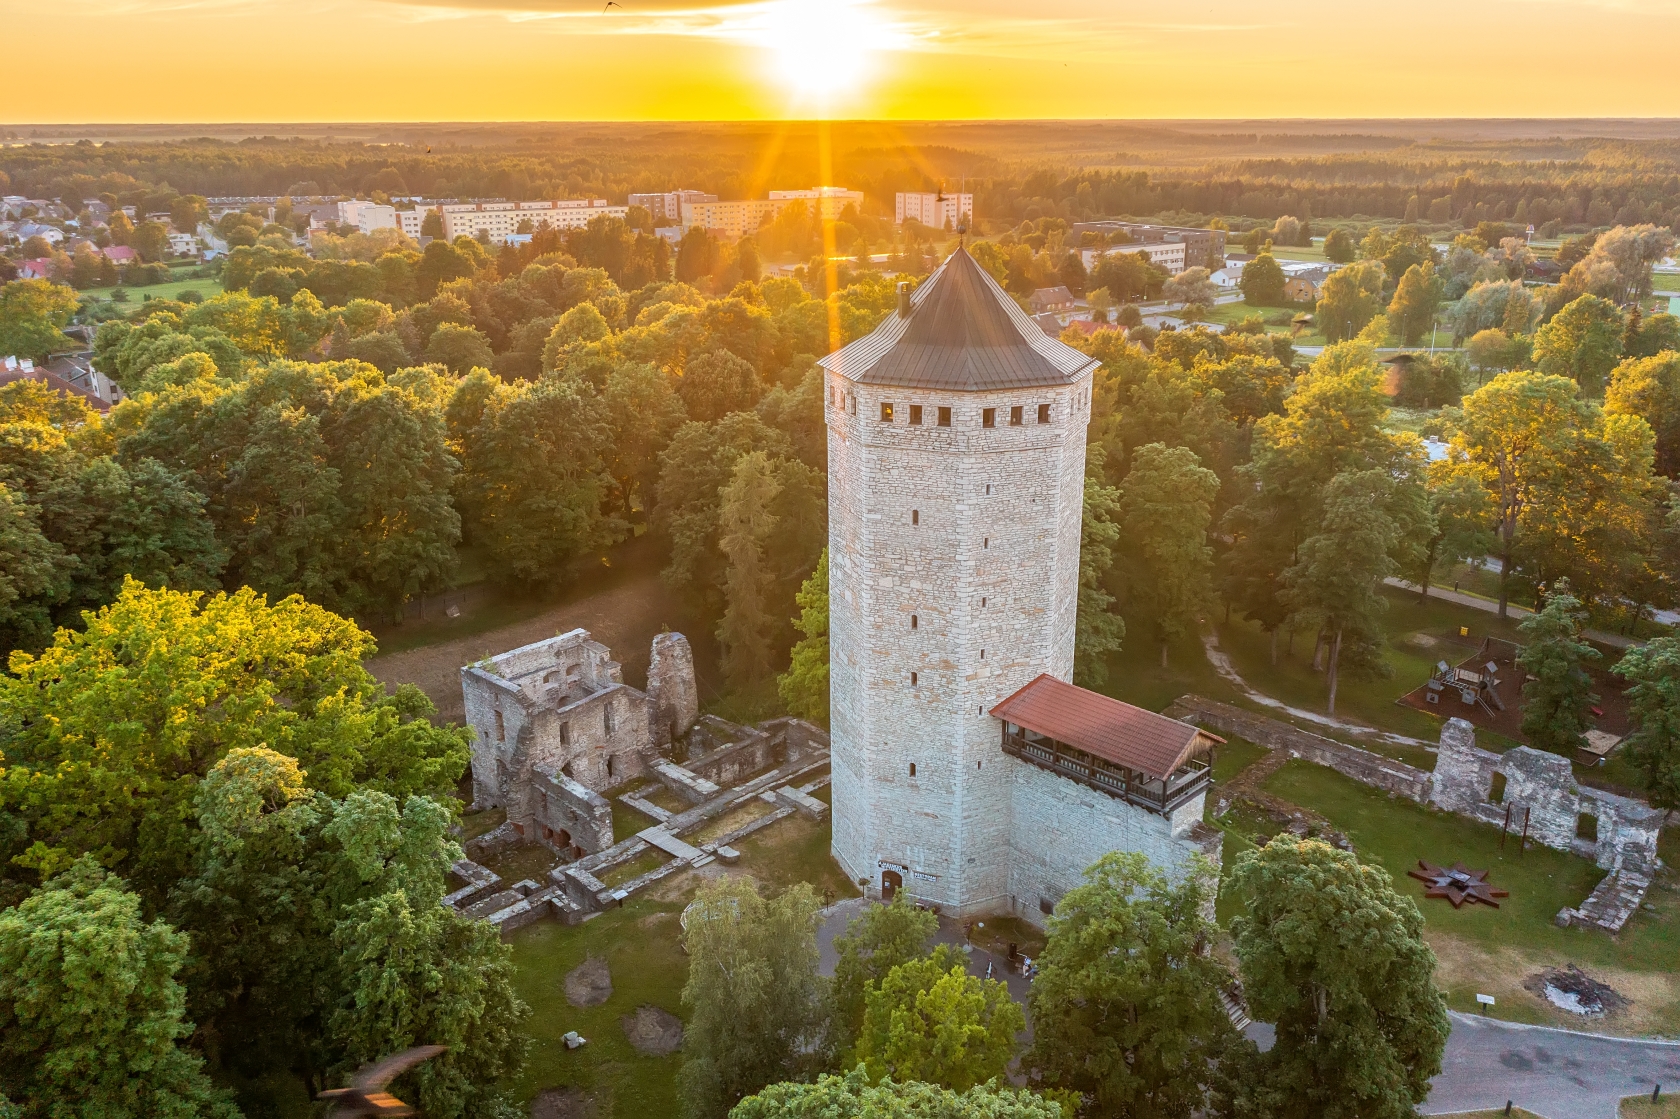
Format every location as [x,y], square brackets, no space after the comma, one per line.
[967,770]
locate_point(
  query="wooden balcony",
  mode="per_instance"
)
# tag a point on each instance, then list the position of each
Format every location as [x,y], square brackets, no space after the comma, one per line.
[1152,794]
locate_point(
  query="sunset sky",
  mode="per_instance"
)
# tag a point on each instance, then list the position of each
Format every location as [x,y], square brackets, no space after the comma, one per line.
[458,60]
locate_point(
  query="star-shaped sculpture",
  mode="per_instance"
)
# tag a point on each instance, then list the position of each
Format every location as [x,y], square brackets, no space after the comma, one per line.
[1457,884]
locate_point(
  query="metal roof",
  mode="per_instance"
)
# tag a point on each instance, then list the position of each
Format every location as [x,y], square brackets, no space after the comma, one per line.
[1106,728]
[964,332]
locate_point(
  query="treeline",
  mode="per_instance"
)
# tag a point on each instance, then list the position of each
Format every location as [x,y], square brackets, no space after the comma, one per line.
[524,404]
[903,1029]
[1582,183]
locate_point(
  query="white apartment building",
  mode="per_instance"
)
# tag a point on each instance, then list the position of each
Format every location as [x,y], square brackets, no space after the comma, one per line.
[668,206]
[937,210]
[409,221]
[365,217]
[738,217]
[500,220]
[1167,254]
[183,244]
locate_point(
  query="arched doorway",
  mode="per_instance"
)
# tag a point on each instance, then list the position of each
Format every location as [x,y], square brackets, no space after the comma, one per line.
[891,882]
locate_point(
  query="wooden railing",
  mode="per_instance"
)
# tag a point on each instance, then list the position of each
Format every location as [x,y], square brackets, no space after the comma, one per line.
[1152,794]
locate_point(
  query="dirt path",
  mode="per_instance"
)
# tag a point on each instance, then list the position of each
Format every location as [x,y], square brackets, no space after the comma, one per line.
[625,618]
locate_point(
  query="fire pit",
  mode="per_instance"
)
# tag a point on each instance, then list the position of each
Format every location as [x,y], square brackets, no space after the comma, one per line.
[1457,884]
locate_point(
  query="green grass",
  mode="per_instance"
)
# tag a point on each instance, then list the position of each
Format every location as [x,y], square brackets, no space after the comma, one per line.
[1135,674]
[628,822]
[169,289]
[1235,756]
[1394,834]
[640,945]
[1666,281]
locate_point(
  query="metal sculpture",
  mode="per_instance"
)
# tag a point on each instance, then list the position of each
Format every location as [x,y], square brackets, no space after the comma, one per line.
[1457,884]
[367,1095]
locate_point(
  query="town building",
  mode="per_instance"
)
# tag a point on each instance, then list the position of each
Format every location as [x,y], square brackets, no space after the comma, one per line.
[967,769]
[70,374]
[935,209]
[410,221]
[739,217]
[1303,280]
[1053,301]
[1167,254]
[183,244]
[365,217]
[666,208]
[1200,245]
[498,221]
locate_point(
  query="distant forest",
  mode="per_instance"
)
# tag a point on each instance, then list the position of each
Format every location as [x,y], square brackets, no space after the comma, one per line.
[1438,172]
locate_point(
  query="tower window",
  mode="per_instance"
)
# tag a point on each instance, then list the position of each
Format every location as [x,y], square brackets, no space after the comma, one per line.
[982,654]
[915,516]
[609,766]
[988,489]
[912,769]
[985,541]
[912,679]
[1044,413]
[913,621]
[1015,416]
[988,417]
[916,414]
[944,417]
[982,602]
[886,413]
[565,734]
[501,728]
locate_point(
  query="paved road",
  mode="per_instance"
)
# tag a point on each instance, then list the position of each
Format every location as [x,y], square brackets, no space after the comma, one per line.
[1554,1073]
[1614,640]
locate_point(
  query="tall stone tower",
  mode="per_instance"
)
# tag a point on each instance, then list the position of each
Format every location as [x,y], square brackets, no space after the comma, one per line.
[956,450]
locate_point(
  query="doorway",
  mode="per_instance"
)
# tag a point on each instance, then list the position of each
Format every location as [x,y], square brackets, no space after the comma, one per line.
[891,882]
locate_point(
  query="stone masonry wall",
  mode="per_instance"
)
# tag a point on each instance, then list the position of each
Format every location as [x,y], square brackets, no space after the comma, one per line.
[1061,827]
[673,698]
[953,555]
[1361,765]
[570,818]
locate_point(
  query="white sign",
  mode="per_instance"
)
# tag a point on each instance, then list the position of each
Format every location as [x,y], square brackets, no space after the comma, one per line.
[883,864]
[1485,1000]
[923,876]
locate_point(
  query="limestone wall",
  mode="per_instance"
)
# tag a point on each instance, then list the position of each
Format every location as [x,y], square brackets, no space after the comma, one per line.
[1361,765]
[1061,827]
[953,555]
[569,819]
[673,698]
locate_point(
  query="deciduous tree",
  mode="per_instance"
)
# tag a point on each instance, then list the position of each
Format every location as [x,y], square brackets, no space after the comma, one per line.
[32,317]
[1558,697]
[1415,301]
[931,1021]
[854,1096]
[1583,342]
[804,686]
[1165,510]
[1653,746]
[1262,281]
[1334,956]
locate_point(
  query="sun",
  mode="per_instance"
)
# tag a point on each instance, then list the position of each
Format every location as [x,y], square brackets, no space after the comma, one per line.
[823,50]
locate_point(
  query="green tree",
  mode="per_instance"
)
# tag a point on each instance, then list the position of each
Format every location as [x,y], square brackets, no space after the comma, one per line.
[1165,509]
[1098,631]
[91,1012]
[755,1000]
[1262,281]
[1583,341]
[1335,584]
[1462,513]
[1349,299]
[1334,956]
[108,737]
[1558,697]
[1132,1032]
[1416,299]
[875,941]
[32,573]
[32,318]
[1653,673]
[187,212]
[1513,432]
[717,383]
[804,686]
[459,348]
[151,240]
[929,1020]
[1650,389]
[1339,247]
[854,1096]
[745,525]
[643,412]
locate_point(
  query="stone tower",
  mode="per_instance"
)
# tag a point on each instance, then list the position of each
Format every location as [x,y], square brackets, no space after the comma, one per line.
[956,449]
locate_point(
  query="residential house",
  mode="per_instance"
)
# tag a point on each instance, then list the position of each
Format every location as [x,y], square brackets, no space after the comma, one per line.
[183,244]
[39,268]
[121,254]
[1051,300]
[24,369]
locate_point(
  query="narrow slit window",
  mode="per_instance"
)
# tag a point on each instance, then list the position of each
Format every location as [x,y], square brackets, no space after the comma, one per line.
[915,516]
[886,413]
[944,417]
[982,654]
[565,734]
[916,415]
[985,541]
[982,602]
[988,417]
[609,766]
[913,621]
[988,489]
[501,728]
[912,769]
[1044,413]
[1015,416]
[912,679]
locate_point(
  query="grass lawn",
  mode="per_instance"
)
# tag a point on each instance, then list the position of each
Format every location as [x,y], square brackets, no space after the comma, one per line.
[1235,756]
[1368,700]
[1135,674]
[1665,281]
[169,289]
[1493,951]
[639,943]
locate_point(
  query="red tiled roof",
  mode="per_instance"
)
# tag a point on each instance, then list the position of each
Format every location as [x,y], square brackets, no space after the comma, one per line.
[120,252]
[1107,728]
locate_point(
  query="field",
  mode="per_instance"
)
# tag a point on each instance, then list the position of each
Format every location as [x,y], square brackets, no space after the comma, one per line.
[169,289]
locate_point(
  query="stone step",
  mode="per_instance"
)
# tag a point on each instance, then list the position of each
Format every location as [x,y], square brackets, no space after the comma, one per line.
[668,843]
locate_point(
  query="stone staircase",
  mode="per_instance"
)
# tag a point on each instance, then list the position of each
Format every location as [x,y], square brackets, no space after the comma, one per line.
[1236,1006]
[1616,899]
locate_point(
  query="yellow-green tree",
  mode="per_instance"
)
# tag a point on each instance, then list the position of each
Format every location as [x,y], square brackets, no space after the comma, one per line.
[929,1020]
[804,686]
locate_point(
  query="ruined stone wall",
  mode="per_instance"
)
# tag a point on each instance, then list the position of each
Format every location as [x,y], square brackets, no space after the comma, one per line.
[673,698]
[731,763]
[495,765]
[1361,765]
[569,818]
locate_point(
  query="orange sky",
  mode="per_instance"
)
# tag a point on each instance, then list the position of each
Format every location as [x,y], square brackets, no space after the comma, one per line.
[458,60]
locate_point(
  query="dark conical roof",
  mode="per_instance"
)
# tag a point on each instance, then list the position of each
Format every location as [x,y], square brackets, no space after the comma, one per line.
[965,333]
